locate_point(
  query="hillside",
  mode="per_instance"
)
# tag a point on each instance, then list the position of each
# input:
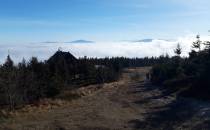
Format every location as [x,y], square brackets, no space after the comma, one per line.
[131,103]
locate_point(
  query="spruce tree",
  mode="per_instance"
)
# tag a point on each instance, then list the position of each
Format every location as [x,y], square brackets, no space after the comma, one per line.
[178,50]
[9,87]
[197,43]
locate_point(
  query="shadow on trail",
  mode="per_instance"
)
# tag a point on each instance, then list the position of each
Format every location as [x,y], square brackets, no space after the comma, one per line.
[168,116]
[147,88]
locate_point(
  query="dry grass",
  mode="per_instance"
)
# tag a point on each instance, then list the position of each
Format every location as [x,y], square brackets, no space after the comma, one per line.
[90,104]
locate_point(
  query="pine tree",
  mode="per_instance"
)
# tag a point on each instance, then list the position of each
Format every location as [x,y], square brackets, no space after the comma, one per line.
[207,45]
[9,86]
[22,80]
[197,43]
[9,64]
[178,50]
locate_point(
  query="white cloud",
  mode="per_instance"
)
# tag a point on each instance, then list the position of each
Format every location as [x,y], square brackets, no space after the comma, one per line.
[99,49]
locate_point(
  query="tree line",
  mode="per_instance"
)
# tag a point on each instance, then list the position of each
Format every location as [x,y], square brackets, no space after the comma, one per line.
[30,81]
[191,74]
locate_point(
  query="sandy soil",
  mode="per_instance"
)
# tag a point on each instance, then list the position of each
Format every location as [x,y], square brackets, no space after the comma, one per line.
[126,105]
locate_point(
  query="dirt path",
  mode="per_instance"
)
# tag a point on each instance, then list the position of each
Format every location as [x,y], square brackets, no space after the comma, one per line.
[129,105]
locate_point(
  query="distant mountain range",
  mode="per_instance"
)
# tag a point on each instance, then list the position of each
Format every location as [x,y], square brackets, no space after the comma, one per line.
[80,41]
[150,40]
[144,40]
[50,42]
[76,41]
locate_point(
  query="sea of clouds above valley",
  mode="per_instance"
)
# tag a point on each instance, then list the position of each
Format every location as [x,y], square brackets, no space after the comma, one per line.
[98,49]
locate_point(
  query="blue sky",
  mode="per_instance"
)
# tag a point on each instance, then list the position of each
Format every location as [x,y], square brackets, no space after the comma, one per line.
[63,20]
[32,21]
